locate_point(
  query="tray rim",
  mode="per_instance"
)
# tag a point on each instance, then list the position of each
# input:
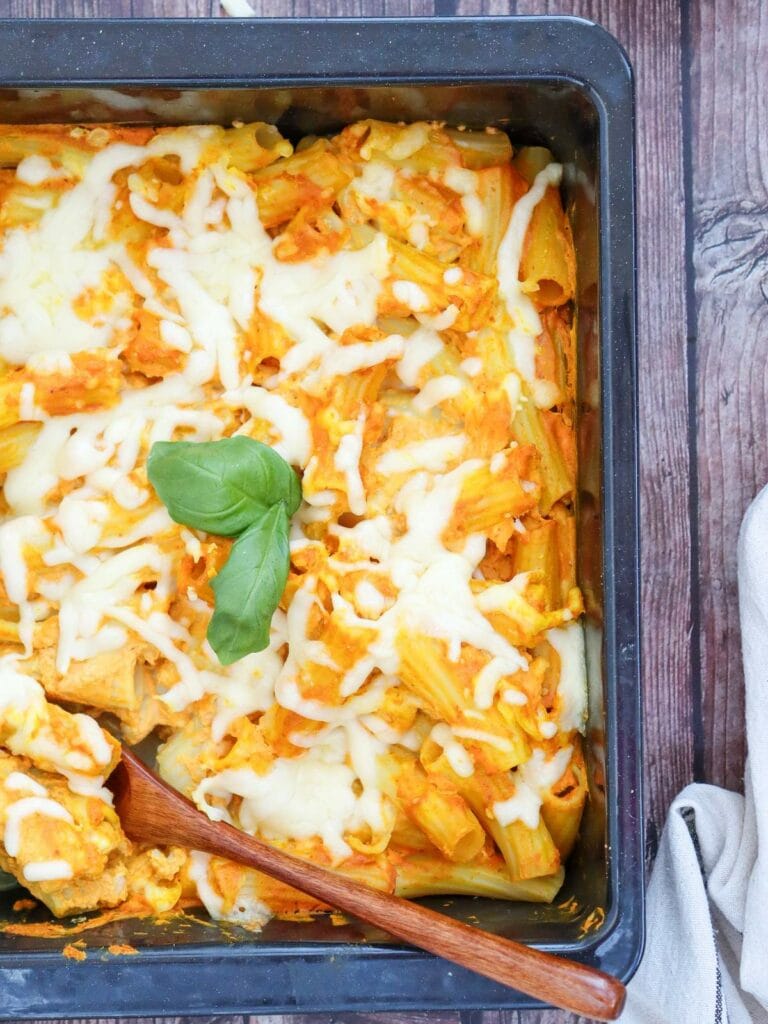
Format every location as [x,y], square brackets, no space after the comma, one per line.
[541,48]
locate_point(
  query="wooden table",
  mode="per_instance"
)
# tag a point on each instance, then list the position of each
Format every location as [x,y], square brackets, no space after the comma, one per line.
[702,104]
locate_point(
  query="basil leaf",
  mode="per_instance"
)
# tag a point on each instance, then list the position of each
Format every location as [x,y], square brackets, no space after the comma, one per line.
[249,587]
[221,486]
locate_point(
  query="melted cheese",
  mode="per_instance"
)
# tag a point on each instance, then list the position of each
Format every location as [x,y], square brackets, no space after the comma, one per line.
[19,782]
[481,736]
[83,444]
[341,360]
[175,335]
[347,461]
[411,295]
[489,677]
[246,908]
[420,348]
[532,780]
[457,756]
[511,385]
[18,692]
[198,872]
[436,391]
[14,535]
[441,605]
[35,169]
[370,599]
[47,871]
[471,366]
[211,277]
[465,182]
[340,292]
[294,435]
[526,323]
[246,686]
[94,739]
[298,798]
[28,806]
[28,731]
[102,593]
[46,268]
[43,270]
[434,597]
[568,641]
[376,181]
[434,454]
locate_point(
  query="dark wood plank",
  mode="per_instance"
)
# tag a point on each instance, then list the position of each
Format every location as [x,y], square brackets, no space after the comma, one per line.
[108,8]
[207,8]
[730,223]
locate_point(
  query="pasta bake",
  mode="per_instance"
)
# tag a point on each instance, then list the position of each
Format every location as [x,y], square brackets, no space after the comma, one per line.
[389,311]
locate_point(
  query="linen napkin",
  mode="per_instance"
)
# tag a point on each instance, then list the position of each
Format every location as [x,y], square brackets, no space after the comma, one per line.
[706,957]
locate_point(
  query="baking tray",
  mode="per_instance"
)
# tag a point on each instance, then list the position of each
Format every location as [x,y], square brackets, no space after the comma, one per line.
[562,82]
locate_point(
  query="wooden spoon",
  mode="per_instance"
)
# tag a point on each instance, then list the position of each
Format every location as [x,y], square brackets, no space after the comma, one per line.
[152,812]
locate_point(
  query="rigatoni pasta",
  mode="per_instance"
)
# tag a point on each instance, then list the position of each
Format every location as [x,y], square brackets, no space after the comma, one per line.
[390,311]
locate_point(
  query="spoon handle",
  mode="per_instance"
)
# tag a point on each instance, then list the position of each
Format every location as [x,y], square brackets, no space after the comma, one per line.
[170,818]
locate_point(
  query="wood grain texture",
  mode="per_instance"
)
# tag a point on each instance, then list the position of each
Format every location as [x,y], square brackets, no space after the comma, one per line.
[730,222]
[208,8]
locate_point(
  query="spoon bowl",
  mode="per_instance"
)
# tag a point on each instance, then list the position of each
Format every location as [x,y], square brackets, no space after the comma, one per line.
[152,812]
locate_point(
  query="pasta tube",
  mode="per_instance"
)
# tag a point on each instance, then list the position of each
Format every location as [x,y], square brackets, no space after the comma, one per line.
[54,739]
[438,810]
[548,265]
[424,875]
[67,848]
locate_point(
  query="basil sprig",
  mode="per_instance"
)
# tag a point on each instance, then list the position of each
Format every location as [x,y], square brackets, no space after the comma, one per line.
[236,487]
[221,486]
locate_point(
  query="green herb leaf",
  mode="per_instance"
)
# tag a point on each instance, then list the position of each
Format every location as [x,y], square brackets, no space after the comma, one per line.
[221,486]
[249,587]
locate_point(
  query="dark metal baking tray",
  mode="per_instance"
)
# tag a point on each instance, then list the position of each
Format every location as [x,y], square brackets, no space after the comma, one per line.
[563,82]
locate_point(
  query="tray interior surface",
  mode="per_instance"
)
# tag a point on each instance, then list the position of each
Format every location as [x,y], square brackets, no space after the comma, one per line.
[554,113]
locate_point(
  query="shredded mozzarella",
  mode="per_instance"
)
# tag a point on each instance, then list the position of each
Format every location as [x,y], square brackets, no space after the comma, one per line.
[434,454]
[28,806]
[347,461]
[457,756]
[525,319]
[420,348]
[47,871]
[110,553]
[21,782]
[489,677]
[300,797]
[295,436]
[532,780]
[436,391]
[568,641]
